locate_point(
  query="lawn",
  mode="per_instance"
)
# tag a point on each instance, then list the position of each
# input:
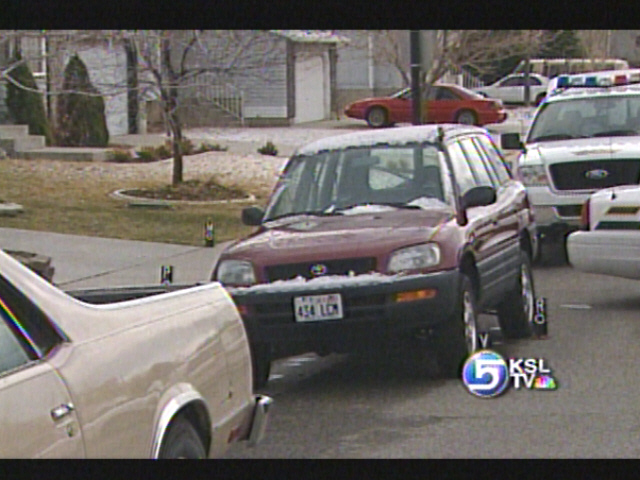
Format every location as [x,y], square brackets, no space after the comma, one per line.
[73,198]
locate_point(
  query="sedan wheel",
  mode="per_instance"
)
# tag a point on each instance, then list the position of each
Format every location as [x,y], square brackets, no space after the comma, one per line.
[377,117]
[466,117]
[182,441]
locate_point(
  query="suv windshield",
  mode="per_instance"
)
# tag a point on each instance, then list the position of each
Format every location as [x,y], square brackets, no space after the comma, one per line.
[614,115]
[331,182]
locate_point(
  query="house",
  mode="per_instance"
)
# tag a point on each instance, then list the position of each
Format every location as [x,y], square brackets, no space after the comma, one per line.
[276,77]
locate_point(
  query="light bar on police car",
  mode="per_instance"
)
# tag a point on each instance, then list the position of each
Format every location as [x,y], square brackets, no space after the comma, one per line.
[594,79]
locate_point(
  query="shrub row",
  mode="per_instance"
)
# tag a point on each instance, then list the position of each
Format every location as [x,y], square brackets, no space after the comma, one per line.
[161,152]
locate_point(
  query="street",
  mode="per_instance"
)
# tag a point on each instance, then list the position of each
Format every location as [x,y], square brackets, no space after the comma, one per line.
[345,407]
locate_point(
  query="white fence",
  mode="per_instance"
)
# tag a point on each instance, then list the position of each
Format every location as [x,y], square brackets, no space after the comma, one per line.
[463,79]
[206,88]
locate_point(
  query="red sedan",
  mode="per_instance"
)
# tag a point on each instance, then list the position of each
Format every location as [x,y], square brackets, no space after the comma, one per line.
[445,104]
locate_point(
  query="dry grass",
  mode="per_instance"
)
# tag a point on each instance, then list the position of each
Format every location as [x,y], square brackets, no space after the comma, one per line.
[73,197]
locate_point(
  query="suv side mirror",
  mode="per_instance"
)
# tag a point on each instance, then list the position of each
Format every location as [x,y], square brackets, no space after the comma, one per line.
[511,141]
[252,216]
[479,197]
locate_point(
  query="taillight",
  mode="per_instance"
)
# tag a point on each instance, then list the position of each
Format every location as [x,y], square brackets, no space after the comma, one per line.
[585,215]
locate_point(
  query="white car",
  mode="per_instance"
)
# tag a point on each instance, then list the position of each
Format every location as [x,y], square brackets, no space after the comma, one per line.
[510,89]
[610,245]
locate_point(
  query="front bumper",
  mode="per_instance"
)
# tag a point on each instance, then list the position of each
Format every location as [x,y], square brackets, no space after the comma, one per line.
[607,252]
[555,211]
[371,312]
[259,419]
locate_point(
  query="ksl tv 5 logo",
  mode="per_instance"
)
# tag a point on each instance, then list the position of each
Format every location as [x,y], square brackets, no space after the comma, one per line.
[486,373]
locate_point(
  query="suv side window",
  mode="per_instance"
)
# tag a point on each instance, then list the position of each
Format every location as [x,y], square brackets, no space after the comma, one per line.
[463,173]
[478,167]
[495,158]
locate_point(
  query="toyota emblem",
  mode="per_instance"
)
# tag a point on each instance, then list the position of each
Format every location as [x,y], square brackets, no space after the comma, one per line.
[318,269]
[596,174]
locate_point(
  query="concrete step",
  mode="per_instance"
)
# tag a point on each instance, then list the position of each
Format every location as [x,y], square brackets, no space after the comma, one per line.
[77,154]
[21,144]
[13,131]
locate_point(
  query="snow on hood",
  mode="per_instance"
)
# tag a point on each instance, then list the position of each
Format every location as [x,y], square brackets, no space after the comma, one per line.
[302,284]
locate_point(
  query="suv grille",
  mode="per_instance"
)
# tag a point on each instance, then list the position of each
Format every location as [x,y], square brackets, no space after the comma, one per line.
[333,267]
[595,174]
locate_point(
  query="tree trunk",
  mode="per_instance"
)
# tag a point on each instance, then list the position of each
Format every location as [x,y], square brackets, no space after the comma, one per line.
[176,130]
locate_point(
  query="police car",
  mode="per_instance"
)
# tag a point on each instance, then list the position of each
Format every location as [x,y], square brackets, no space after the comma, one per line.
[609,243]
[584,137]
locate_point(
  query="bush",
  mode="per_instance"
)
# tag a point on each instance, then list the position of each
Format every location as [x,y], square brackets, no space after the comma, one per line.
[82,120]
[210,147]
[268,149]
[164,151]
[120,155]
[147,154]
[25,106]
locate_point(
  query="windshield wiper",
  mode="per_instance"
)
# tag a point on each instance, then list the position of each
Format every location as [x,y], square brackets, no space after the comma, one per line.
[315,213]
[616,133]
[386,204]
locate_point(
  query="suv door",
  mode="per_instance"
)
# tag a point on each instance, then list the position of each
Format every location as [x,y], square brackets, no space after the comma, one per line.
[37,417]
[496,239]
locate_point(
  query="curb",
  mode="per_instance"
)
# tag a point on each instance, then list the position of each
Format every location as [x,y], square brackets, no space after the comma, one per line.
[118,194]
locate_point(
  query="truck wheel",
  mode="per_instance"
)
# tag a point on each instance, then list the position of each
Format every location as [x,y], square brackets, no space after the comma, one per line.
[182,441]
[261,364]
[377,117]
[515,313]
[458,337]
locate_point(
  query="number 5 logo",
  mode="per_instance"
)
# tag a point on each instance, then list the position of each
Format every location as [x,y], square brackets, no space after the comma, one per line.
[485,374]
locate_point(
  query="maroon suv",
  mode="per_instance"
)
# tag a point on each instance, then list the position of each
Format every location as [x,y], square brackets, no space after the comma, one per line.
[385,236]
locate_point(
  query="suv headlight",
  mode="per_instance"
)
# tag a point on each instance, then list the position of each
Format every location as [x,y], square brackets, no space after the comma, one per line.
[414,258]
[533,175]
[236,272]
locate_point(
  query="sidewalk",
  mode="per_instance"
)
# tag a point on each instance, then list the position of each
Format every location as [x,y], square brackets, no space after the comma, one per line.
[88,262]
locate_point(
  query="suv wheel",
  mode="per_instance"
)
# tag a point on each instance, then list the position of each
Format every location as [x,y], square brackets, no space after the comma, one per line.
[458,337]
[515,313]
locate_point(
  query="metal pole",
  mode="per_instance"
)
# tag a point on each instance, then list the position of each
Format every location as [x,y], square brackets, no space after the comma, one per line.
[414,44]
[527,86]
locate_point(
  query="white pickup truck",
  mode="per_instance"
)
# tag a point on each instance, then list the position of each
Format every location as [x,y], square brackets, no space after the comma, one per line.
[119,373]
[610,243]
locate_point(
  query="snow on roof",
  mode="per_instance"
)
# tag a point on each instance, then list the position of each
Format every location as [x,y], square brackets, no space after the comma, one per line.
[390,136]
[312,36]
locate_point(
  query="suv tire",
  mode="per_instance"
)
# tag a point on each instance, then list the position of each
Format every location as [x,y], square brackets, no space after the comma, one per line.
[515,313]
[458,336]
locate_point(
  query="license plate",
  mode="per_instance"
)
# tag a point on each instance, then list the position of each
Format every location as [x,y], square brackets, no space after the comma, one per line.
[318,307]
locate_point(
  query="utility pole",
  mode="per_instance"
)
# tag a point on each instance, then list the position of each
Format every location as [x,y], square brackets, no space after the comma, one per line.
[416,103]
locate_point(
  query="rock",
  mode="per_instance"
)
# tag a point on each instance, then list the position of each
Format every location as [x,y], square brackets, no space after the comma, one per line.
[10,209]
[40,264]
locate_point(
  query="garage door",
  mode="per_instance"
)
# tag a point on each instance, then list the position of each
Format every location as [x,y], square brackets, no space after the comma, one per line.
[310,90]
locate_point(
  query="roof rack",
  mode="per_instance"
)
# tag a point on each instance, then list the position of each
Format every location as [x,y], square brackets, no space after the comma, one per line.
[606,79]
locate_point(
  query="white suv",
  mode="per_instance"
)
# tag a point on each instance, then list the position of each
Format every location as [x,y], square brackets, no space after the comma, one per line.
[583,137]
